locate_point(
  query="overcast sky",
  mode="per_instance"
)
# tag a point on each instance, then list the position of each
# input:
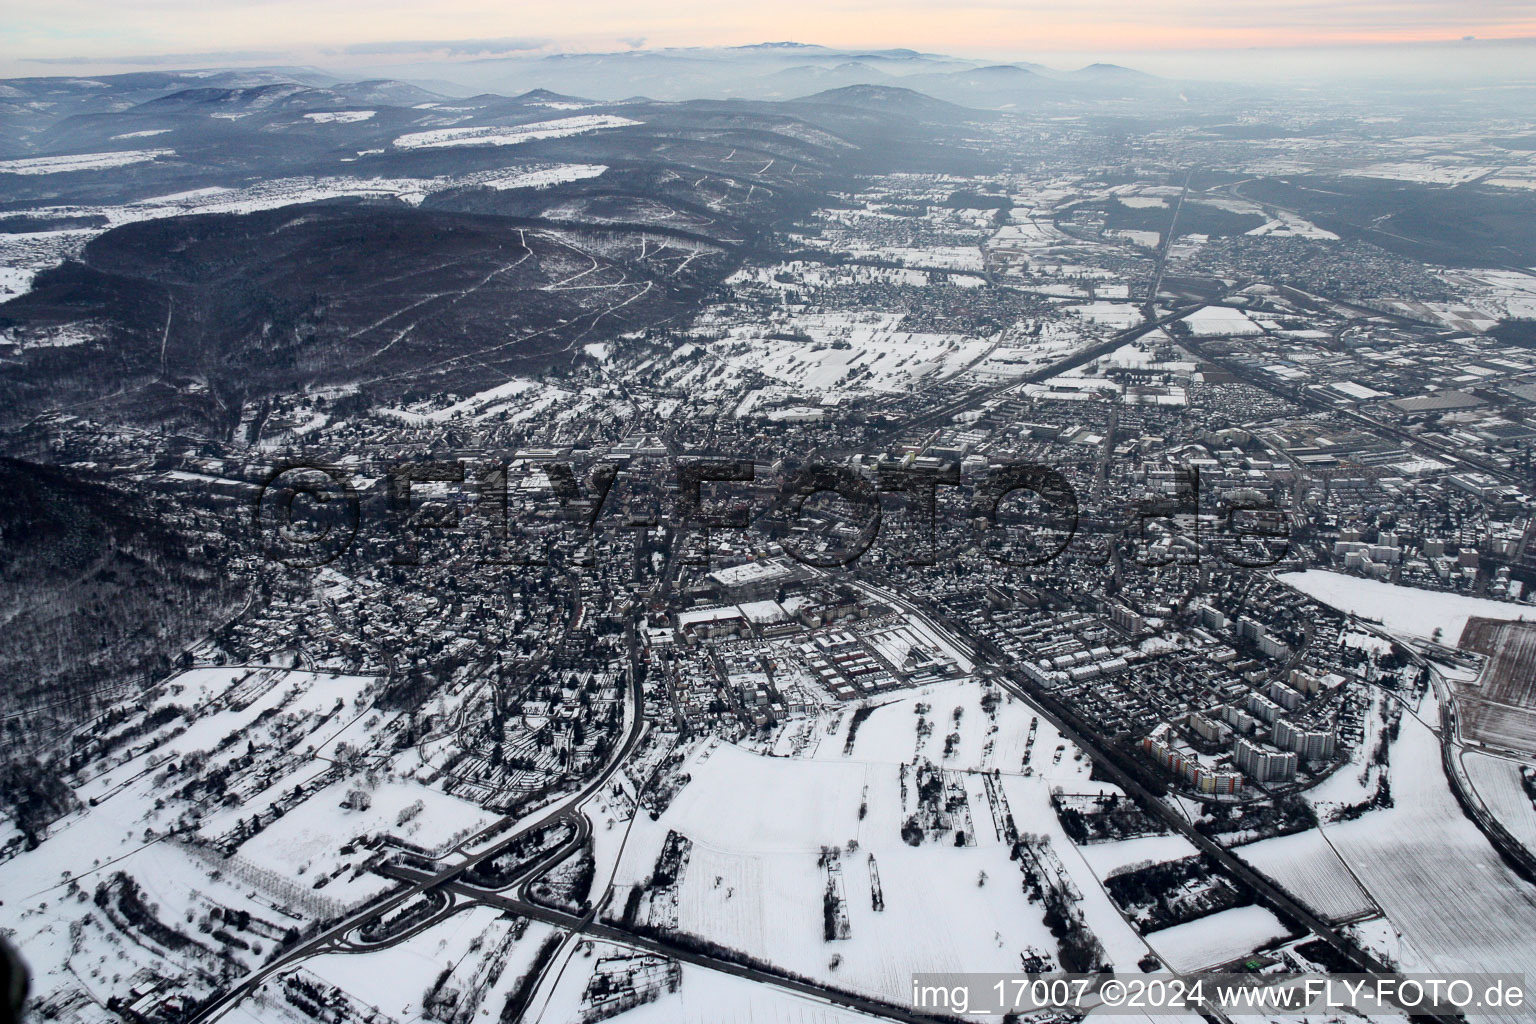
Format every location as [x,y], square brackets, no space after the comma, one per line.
[36,35]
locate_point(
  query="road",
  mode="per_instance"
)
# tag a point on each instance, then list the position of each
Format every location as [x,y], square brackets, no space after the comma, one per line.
[1300,396]
[1079,734]
[1149,307]
[587,925]
[977,396]
[565,810]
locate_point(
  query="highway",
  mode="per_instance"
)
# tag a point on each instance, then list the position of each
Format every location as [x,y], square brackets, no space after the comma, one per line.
[587,925]
[976,396]
[565,810]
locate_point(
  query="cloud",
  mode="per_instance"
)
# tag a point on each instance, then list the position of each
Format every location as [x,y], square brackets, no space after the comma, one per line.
[633,42]
[452,47]
[163,59]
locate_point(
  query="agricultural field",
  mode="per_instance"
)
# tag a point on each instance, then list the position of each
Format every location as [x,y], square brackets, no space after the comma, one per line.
[1305,866]
[1497,781]
[1500,706]
[1217,939]
[1442,886]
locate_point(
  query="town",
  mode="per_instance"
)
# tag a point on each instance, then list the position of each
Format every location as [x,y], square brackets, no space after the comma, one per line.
[1112,556]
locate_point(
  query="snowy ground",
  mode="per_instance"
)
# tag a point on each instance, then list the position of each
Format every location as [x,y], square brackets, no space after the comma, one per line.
[1217,939]
[1118,315]
[501,135]
[1441,884]
[546,176]
[82,161]
[1497,781]
[1305,866]
[1406,610]
[759,825]
[703,997]
[1108,858]
[485,951]
[1220,321]
[340,116]
[305,843]
[850,352]
[206,721]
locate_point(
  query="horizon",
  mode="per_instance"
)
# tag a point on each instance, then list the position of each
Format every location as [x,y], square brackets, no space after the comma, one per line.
[1469,42]
[1466,60]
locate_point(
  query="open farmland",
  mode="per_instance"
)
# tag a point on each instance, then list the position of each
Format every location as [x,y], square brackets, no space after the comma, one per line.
[1305,866]
[1215,940]
[755,881]
[1500,707]
[1497,781]
[1434,874]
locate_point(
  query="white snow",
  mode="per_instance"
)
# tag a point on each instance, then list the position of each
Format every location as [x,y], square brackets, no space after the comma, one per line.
[505,135]
[546,176]
[340,116]
[1305,866]
[1405,610]
[81,161]
[1217,939]
[1213,321]
[1108,858]
[1434,874]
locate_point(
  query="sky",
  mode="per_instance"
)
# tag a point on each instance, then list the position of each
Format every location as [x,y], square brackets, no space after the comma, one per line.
[66,36]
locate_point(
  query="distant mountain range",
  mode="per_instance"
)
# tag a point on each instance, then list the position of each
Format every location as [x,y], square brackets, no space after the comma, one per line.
[777,71]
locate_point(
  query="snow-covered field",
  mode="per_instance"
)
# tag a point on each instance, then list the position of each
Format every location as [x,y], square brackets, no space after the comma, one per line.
[15,281]
[1423,171]
[340,116]
[121,826]
[485,952]
[504,135]
[1497,781]
[546,176]
[1305,866]
[849,352]
[1118,315]
[81,161]
[1030,345]
[759,826]
[1435,875]
[1108,858]
[1288,225]
[1214,940]
[305,843]
[1220,321]
[703,997]
[1400,609]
